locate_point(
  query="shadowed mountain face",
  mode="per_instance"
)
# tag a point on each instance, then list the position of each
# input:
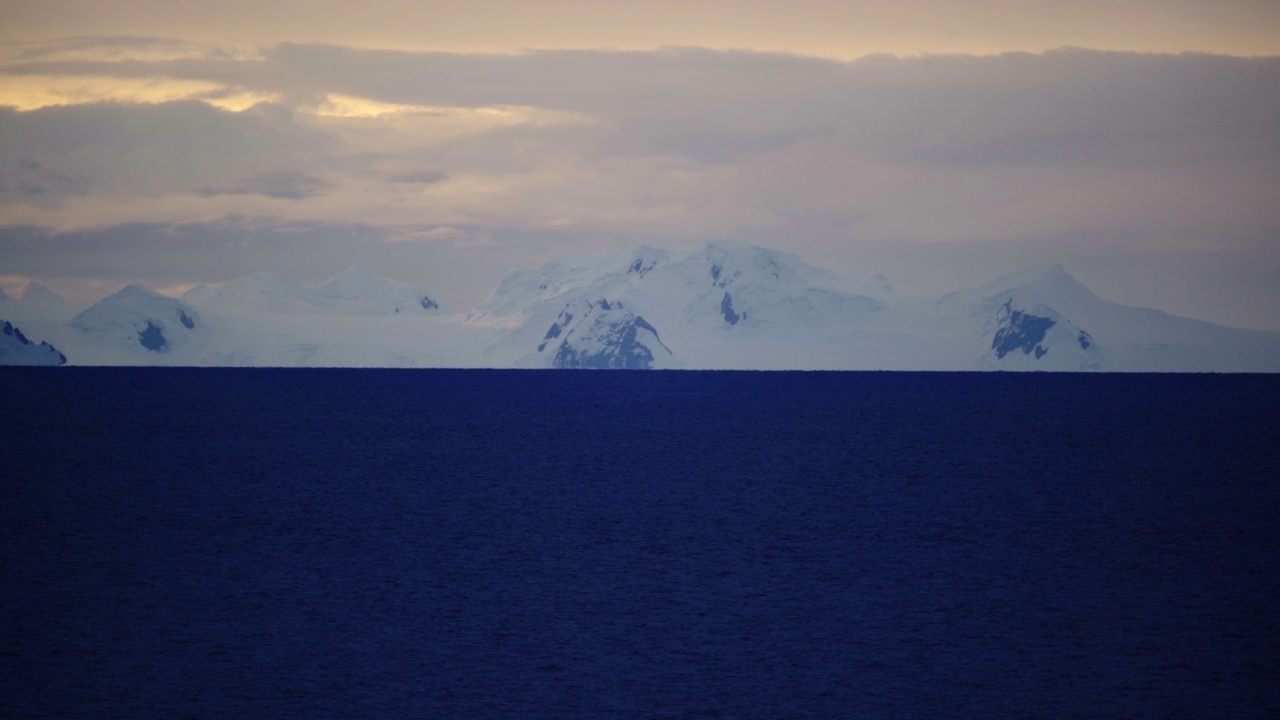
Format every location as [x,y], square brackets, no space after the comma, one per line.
[17,349]
[1020,331]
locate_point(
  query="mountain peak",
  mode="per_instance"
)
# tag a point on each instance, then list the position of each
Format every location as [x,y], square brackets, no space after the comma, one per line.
[1048,280]
[135,291]
[1035,273]
[645,258]
[139,319]
[355,281]
[730,262]
[38,292]
[365,292]
[265,277]
[358,290]
[360,269]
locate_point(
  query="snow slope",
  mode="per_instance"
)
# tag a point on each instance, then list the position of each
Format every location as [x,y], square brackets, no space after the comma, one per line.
[254,294]
[360,291]
[355,291]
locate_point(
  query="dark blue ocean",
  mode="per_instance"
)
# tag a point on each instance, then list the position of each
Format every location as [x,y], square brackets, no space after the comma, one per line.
[263,544]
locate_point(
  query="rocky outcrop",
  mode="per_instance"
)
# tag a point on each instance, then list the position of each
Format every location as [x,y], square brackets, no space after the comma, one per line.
[17,349]
[1040,338]
[603,335]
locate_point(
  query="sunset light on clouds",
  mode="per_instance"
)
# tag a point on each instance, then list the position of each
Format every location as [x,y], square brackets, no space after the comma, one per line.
[446,142]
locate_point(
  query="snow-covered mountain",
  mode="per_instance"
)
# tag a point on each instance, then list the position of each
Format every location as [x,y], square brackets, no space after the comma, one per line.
[140,322]
[356,291]
[1082,331]
[724,305]
[16,349]
[37,292]
[729,305]
[720,306]
[360,291]
[600,335]
[254,294]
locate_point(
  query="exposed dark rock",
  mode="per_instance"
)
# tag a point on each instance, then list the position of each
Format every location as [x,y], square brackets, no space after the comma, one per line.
[14,332]
[186,320]
[1020,331]
[602,335]
[726,309]
[34,357]
[644,260]
[566,317]
[429,304]
[622,349]
[152,338]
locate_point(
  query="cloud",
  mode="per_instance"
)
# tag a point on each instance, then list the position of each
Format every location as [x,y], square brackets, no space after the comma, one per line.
[281,185]
[115,47]
[597,149]
[30,181]
[422,177]
[121,150]
[1056,108]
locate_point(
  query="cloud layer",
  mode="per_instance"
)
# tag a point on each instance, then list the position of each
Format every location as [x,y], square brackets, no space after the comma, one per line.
[1104,152]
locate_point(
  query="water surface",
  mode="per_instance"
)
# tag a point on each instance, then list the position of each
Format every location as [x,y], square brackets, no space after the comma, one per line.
[383,543]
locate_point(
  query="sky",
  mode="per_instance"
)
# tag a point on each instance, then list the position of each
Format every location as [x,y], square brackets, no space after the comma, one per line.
[1136,142]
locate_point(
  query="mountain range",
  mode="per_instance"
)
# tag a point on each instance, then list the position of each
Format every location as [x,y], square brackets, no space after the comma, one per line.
[720,306]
